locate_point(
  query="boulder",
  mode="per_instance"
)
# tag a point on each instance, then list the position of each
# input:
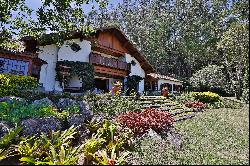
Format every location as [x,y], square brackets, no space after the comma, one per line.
[11,98]
[173,137]
[84,106]
[78,121]
[152,135]
[65,102]
[38,125]
[45,101]
[5,128]
[85,109]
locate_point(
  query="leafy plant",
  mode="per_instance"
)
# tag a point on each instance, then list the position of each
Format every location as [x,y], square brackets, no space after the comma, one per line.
[195,105]
[112,105]
[106,145]
[53,150]
[206,97]
[16,110]
[13,85]
[83,70]
[132,83]
[104,159]
[6,141]
[141,122]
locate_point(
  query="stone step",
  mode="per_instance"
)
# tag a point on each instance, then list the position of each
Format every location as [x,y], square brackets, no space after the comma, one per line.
[185,117]
[158,105]
[180,112]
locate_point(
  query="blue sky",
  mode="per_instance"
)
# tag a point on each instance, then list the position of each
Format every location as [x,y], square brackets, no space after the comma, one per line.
[35,4]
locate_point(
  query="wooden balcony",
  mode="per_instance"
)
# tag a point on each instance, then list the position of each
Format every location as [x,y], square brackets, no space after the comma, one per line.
[109,62]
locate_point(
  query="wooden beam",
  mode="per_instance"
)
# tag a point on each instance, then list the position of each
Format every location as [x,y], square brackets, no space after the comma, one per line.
[109,71]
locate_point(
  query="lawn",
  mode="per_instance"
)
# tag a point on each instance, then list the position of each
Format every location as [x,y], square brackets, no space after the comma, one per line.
[219,136]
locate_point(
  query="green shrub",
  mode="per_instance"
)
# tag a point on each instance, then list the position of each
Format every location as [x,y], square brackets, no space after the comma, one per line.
[56,149]
[206,97]
[13,85]
[6,141]
[109,145]
[15,111]
[112,105]
[210,78]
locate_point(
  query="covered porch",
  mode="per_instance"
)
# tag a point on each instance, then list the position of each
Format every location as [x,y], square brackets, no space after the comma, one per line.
[155,82]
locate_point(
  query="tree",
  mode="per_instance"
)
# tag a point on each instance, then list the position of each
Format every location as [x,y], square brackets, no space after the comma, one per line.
[58,17]
[210,78]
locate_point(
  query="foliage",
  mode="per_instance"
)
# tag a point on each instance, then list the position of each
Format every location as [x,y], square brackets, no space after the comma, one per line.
[6,141]
[37,95]
[141,122]
[221,103]
[107,146]
[15,111]
[112,105]
[83,70]
[215,137]
[195,105]
[181,37]
[60,17]
[206,97]
[183,98]
[210,78]
[132,83]
[56,149]
[14,85]
[245,93]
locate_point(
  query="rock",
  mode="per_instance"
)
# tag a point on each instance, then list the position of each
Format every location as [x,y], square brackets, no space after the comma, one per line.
[65,102]
[85,109]
[76,120]
[11,98]
[82,131]
[84,106]
[99,118]
[174,138]
[39,125]
[45,101]
[152,135]
[4,128]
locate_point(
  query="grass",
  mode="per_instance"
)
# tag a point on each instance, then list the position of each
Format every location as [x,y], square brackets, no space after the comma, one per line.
[214,137]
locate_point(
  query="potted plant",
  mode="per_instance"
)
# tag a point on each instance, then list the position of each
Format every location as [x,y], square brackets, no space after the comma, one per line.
[117,87]
[165,91]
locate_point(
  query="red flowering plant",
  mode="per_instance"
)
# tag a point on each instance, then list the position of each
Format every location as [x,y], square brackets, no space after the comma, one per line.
[196,104]
[141,122]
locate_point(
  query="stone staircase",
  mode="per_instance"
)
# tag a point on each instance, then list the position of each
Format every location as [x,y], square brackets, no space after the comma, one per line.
[180,112]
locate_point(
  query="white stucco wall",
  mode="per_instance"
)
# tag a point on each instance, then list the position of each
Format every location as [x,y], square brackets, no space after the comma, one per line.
[48,53]
[66,53]
[136,70]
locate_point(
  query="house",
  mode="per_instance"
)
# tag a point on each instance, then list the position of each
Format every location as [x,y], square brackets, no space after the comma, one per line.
[155,82]
[112,55]
[109,51]
[20,63]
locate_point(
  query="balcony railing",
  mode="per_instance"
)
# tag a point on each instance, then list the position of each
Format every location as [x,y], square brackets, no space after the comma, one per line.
[109,62]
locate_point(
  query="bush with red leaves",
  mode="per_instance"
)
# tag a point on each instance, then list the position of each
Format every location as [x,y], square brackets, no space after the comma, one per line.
[195,105]
[141,122]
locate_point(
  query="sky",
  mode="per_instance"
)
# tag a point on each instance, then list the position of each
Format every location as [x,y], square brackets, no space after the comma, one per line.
[35,4]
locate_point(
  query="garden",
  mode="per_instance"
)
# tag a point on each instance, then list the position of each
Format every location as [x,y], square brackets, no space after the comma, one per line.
[114,129]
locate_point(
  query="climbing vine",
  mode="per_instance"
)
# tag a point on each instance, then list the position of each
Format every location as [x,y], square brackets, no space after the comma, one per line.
[83,70]
[132,83]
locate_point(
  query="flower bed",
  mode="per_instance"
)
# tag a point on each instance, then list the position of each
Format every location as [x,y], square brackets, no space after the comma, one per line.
[141,122]
[195,105]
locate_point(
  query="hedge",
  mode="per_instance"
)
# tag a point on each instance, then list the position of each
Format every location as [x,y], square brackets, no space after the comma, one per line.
[13,85]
